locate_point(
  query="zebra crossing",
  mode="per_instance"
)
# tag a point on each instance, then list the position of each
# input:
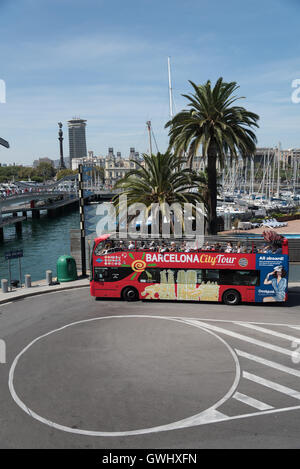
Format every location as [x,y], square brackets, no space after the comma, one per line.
[269,359]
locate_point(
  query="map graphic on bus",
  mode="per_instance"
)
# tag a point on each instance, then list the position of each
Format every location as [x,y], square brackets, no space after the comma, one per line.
[185,287]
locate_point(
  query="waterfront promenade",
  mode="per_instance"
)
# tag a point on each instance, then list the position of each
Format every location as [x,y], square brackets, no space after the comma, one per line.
[293,227]
[82,373]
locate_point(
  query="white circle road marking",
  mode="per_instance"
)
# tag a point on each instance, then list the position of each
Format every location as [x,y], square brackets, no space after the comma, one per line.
[184,423]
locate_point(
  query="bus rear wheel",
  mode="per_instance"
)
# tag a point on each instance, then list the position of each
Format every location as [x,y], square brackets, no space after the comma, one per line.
[231,297]
[130,294]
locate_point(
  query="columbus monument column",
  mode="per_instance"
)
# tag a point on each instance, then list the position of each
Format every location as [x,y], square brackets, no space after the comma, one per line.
[60,138]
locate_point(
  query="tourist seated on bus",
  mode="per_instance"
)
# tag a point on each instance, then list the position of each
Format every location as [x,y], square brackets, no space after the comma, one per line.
[182,247]
[152,246]
[163,248]
[173,247]
[131,245]
[238,248]
[206,246]
[229,247]
[277,250]
[107,247]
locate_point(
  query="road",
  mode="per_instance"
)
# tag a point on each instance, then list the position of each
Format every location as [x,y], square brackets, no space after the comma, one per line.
[81,373]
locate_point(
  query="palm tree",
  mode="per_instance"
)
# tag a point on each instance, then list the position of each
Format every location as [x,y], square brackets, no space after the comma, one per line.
[161,179]
[204,190]
[219,127]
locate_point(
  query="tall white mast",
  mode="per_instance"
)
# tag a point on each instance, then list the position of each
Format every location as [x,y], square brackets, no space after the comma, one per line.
[264,175]
[170,90]
[273,170]
[278,170]
[252,174]
[294,161]
[268,195]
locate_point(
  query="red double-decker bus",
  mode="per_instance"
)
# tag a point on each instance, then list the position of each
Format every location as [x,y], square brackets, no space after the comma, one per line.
[133,272]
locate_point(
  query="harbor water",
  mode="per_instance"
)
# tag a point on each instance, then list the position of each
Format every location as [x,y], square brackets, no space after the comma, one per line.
[42,240]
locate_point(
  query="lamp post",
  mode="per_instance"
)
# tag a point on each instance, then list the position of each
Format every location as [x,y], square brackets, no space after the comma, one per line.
[61,151]
[82,221]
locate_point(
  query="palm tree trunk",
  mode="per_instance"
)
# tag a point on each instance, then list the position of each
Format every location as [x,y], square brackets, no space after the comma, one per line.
[212,188]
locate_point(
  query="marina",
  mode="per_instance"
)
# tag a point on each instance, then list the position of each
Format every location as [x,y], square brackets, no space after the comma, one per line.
[42,240]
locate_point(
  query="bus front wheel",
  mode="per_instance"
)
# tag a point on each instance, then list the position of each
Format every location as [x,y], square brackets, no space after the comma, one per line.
[231,297]
[130,294]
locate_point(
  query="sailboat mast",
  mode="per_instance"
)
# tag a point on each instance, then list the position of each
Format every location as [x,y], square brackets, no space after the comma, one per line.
[294,160]
[268,176]
[264,175]
[278,171]
[170,90]
[252,174]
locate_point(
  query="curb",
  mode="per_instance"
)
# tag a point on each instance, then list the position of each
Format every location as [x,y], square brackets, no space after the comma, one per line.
[26,295]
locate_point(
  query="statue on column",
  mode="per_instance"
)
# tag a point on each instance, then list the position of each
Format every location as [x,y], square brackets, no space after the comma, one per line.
[60,138]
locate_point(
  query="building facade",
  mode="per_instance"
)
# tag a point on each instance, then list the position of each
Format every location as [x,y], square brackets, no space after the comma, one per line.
[115,167]
[43,160]
[77,138]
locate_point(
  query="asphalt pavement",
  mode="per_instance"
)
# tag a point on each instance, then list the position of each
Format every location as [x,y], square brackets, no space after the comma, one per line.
[81,373]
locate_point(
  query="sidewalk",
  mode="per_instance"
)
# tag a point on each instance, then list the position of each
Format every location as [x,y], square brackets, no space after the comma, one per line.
[40,287]
[294,287]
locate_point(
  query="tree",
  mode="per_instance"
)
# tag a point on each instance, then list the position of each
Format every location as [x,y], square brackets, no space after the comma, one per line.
[161,180]
[25,173]
[65,172]
[221,129]
[204,190]
[45,170]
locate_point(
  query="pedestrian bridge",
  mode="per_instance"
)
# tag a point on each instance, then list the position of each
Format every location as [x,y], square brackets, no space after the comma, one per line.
[65,189]
[26,197]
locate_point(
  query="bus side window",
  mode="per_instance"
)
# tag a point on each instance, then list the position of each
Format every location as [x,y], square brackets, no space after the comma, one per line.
[226,277]
[211,275]
[200,276]
[99,249]
[239,277]
[150,276]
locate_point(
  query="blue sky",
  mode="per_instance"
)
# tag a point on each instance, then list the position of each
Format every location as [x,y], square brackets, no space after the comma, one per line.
[106,61]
